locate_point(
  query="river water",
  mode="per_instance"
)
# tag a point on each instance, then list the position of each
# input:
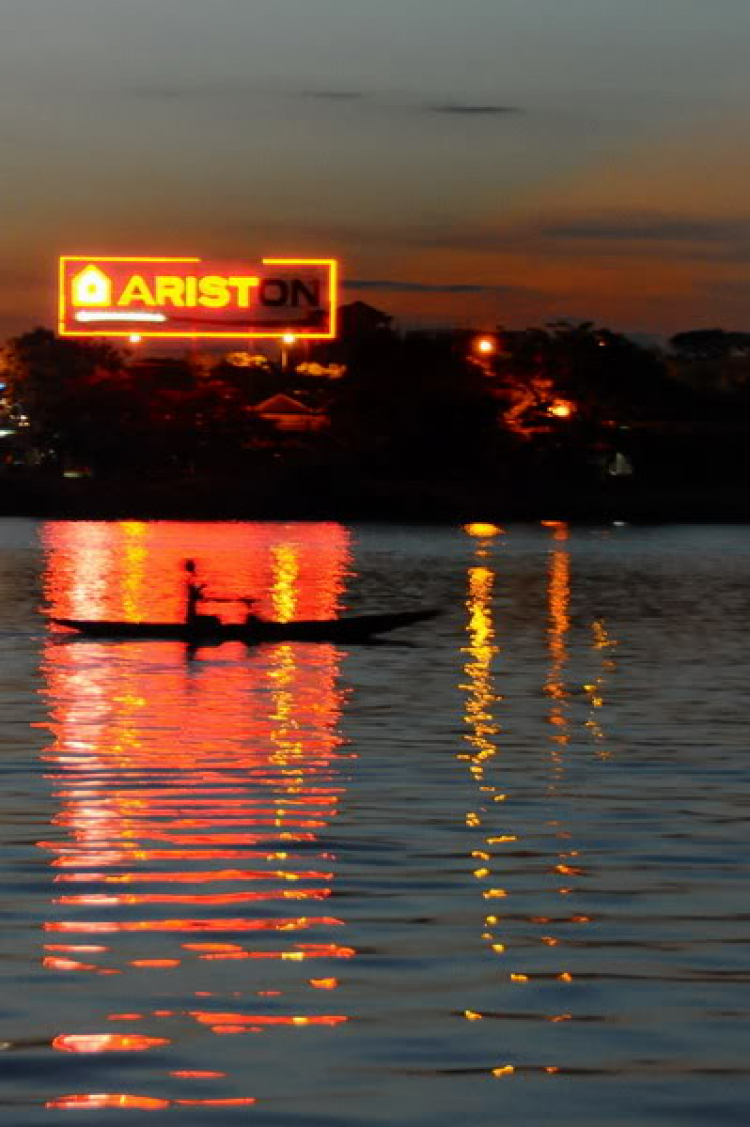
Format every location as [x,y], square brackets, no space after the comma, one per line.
[490,871]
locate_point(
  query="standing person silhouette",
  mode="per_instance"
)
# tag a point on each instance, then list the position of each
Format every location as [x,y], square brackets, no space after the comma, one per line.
[193,596]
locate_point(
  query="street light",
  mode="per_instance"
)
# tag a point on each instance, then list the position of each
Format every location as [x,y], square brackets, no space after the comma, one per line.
[287,340]
[485,345]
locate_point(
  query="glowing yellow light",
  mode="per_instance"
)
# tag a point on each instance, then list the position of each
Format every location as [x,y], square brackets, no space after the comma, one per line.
[485,345]
[472,1015]
[478,528]
[561,409]
[135,338]
[289,338]
[519,978]
[506,1070]
[92,287]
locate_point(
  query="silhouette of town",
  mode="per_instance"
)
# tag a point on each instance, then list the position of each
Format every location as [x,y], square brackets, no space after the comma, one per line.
[565,420]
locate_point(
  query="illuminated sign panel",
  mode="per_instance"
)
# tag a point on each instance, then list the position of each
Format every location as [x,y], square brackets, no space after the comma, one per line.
[185,297]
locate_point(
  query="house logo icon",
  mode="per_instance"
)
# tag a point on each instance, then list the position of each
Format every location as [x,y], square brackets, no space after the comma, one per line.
[91,287]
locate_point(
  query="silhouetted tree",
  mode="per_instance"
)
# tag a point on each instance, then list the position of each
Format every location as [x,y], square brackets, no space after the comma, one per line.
[415,403]
[716,365]
[709,344]
[63,387]
[606,377]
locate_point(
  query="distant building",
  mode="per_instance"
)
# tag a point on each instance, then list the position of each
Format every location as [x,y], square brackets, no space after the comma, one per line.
[358,319]
[289,415]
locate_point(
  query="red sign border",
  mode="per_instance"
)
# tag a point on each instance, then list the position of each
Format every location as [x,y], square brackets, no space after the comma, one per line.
[64,331]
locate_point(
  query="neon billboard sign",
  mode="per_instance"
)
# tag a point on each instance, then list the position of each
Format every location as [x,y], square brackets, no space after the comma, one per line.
[112,296]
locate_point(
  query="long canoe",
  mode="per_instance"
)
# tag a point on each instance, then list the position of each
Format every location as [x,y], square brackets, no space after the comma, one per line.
[352,628]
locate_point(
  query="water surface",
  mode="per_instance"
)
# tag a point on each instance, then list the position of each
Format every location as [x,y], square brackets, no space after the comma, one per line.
[491,870]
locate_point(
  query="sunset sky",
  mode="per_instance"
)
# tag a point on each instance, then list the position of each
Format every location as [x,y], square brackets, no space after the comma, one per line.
[479,162]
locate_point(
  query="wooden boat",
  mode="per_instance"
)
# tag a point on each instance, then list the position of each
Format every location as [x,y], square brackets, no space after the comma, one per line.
[211,631]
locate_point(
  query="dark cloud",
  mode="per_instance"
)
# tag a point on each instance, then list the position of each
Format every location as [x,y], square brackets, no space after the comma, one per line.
[395,286]
[458,109]
[651,228]
[334,95]
[454,235]
[169,91]
[222,92]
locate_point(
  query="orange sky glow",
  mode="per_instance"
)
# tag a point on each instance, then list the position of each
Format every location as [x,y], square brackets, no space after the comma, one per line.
[497,162]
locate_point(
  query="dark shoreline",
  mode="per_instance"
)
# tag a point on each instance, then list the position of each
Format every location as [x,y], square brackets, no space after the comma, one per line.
[413,502]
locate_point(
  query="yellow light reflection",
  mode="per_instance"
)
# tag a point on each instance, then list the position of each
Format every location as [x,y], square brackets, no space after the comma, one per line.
[483,731]
[559,625]
[286,567]
[603,645]
[483,531]
[136,557]
[481,651]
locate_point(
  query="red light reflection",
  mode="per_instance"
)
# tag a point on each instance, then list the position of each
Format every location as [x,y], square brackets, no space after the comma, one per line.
[240,1021]
[187,790]
[96,1101]
[103,1100]
[105,1043]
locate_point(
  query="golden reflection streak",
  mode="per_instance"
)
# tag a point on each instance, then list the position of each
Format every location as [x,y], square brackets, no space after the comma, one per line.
[559,598]
[135,575]
[284,588]
[559,625]
[482,651]
[483,730]
[602,643]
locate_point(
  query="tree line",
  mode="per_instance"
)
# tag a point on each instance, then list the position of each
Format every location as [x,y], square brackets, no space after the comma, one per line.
[564,397]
